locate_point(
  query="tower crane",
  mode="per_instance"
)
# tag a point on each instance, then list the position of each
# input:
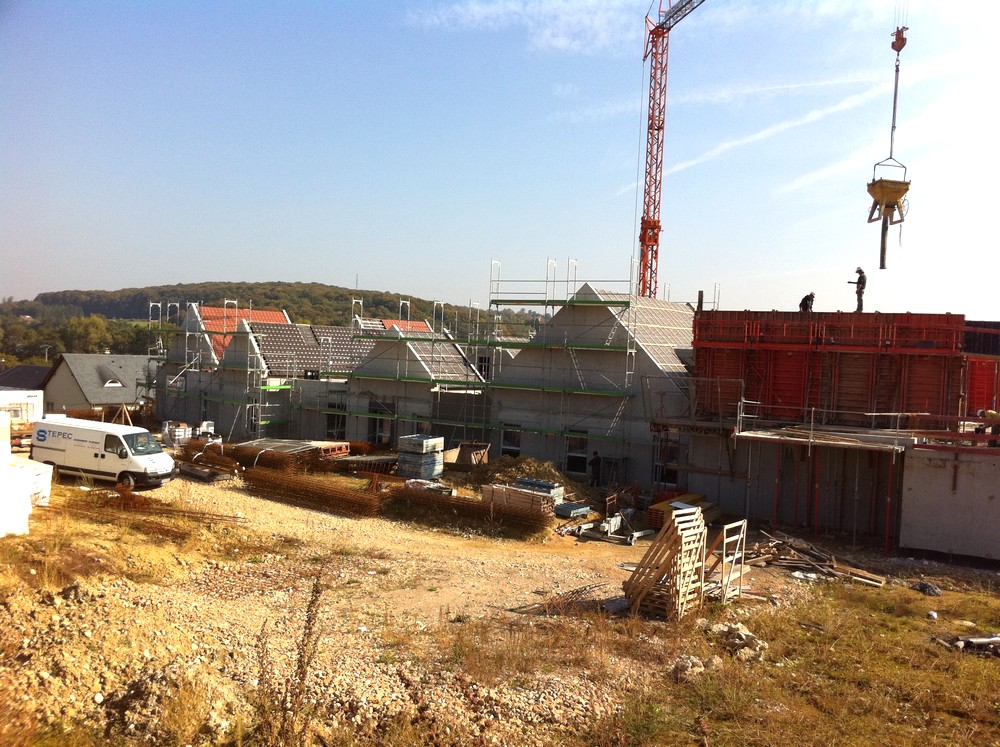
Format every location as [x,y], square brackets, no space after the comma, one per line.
[657,38]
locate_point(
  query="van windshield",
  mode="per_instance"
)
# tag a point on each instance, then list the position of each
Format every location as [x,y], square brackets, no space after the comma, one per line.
[142,443]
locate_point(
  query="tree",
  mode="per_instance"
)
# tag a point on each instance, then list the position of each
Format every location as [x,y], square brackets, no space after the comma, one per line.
[86,334]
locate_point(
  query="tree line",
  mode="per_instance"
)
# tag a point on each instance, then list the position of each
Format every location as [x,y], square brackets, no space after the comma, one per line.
[124,322]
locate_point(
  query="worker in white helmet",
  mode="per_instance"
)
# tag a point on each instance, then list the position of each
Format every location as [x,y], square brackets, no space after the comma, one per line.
[806,304]
[861,282]
[992,419]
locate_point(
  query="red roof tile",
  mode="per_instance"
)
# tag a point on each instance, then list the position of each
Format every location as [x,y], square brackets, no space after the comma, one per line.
[405,325]
[222,320]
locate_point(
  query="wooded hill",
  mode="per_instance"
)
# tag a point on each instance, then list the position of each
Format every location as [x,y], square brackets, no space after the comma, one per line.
[306,303]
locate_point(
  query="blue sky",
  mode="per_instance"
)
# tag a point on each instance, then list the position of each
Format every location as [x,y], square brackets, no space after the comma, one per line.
[407,147]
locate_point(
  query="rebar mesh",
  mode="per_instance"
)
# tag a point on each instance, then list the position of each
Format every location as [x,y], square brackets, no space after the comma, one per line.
[313,492]
[474,508]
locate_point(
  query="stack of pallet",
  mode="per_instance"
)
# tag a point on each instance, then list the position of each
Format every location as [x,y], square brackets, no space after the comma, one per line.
[512,496]
[656,515]
[420,457]
[670,576]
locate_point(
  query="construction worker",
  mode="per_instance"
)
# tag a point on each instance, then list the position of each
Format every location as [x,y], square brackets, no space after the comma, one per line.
[806,304]
[861,282]
[595,470]
[992,419]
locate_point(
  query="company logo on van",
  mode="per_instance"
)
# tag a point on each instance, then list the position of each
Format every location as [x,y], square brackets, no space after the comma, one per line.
[43,434]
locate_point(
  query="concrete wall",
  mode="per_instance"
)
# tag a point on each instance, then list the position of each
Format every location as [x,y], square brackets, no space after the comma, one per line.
[951,502]
[820,488]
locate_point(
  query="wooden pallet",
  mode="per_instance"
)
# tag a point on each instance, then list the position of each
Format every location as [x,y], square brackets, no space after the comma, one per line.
[670,577]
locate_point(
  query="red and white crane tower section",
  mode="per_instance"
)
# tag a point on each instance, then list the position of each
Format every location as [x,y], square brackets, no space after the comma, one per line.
[657,38]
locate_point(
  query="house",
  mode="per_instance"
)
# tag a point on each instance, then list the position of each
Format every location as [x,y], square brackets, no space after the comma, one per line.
[105,387]
[582,384]
[256,374]
[25,376]
[416,381]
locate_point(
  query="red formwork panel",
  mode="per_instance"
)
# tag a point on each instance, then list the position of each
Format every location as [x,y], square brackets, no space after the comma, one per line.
[851,377]
[841,368]
[938,332]
[718,372]
[982,384]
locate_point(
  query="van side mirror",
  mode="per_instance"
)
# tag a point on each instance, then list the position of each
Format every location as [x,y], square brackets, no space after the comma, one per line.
[123,453]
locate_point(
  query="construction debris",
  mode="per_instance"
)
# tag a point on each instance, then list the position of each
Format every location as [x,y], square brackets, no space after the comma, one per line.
[561,604]
[927,588]
[520,498]
[617,528]
[980,645]
[739,641]
[798,555]
[466,456]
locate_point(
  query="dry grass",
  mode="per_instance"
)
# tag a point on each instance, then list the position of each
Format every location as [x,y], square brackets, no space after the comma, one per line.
[846,665]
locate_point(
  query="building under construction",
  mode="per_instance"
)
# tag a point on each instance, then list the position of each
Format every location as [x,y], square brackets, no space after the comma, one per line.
[862,424]
[848,422]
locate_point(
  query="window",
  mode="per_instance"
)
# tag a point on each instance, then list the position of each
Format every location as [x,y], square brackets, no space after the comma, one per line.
[576,452]
[381,429]
[665,464]
[336,422]
[143,443]
[485,366]
[113,444]
[510,440]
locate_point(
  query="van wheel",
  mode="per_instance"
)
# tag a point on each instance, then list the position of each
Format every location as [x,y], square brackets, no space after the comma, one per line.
[55,471]
[126,480]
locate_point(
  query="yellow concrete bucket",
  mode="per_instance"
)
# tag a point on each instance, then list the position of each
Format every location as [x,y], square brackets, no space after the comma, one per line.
[887,196]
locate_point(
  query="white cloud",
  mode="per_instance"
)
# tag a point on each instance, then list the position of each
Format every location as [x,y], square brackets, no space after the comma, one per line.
[578,26]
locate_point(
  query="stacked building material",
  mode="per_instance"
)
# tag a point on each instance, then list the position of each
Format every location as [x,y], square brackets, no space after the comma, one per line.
[670,577]
[656,515]
[520,498]
[529,519]
[312,492]
[420,457]
[554,489]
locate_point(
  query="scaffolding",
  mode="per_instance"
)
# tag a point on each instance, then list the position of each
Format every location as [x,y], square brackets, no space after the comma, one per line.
[576,372]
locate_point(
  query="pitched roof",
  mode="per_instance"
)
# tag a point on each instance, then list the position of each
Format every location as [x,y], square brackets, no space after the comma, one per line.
[406,325]
[222,320]
[444,360]
[109,379]
[660,328]
[25,376]
[436,358]
[291,349]
[372,326]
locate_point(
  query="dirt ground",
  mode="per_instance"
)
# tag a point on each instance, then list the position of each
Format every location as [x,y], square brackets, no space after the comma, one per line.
[116,626]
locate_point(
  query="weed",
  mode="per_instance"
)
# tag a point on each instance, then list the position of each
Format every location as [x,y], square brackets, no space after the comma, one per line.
[640,721]
[283,716]
[185,712]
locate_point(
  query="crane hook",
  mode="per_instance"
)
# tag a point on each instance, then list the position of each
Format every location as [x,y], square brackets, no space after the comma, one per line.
[899,39]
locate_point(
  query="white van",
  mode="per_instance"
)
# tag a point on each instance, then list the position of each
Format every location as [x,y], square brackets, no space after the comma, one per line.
[103,451]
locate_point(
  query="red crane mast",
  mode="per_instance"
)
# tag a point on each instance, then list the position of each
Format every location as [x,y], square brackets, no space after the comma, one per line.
[657,38]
